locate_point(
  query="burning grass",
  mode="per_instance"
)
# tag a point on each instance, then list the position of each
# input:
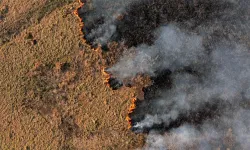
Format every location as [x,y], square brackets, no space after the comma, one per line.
[130,111]
[135,26]
[43,92]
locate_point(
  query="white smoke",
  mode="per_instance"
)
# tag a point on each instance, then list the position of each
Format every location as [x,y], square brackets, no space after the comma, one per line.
[226,83]
[173,49]
[206,137]
[217,50]
[100,9]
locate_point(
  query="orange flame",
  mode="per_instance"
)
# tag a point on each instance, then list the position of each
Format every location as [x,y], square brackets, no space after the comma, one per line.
[130,111]
[80,19]
[107,76]
[75,12]
[98,49]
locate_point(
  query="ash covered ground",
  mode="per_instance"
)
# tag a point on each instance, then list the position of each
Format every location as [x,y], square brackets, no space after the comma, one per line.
[197,55]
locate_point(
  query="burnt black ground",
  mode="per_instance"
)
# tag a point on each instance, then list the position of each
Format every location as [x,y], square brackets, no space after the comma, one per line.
[138,25]
[142,18]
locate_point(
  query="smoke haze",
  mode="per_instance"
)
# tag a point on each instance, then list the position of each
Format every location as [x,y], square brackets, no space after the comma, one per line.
[204,45]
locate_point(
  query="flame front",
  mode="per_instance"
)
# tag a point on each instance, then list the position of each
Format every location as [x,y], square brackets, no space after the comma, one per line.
[106,75]
[132,107]
[130,111]
[80,19]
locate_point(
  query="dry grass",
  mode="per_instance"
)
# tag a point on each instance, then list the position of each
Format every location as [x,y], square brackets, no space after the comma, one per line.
[52,91]
[17,16]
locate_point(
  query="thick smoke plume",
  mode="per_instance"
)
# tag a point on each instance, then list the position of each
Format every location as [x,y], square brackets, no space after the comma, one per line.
[171,45]
[100,18]
[197,53]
